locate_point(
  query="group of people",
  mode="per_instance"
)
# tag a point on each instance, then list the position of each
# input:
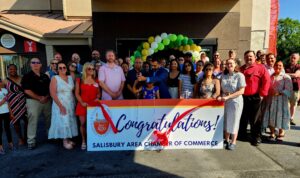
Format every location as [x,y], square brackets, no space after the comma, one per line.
[256,92]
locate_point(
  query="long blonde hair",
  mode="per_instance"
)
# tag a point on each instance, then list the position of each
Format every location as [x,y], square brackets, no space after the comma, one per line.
[85,66]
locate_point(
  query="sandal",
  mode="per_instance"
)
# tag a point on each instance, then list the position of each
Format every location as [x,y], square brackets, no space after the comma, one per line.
[272,138]
[83,146]
[279,139]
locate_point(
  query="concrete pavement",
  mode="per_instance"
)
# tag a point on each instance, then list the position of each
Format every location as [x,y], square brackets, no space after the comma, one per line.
[51,160]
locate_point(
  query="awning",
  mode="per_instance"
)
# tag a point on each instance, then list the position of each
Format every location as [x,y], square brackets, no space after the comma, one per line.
[47,28]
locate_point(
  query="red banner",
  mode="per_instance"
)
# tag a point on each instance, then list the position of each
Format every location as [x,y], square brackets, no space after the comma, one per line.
[30,46]
[273,26]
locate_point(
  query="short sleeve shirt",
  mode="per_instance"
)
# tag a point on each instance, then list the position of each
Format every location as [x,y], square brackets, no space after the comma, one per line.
[37,84]
[296,81]
[232,83]
[112,77]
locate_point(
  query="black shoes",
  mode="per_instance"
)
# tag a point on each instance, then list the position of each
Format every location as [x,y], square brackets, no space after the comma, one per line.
[292,122]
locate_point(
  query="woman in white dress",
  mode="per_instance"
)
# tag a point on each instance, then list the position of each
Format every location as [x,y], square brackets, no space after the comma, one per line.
[233,86]
[63,119]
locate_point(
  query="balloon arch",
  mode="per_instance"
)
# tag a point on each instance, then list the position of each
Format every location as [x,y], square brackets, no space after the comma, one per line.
[166,41]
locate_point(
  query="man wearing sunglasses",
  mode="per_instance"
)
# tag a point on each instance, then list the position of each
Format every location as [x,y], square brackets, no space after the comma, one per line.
[38,101]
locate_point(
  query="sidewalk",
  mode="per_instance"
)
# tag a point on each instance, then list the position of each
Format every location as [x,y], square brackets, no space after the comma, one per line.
[51,160]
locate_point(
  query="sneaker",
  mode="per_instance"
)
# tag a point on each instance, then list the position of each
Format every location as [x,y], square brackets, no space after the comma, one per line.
[292,122]
[232,147]
[226,144]
[31,146]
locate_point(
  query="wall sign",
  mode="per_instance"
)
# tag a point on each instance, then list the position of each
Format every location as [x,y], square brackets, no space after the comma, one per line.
[8,40]
[30,46]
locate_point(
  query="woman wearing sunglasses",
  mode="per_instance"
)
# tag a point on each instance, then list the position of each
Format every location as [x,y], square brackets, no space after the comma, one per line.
[187,81]
[63,120]
[72,71]
[209,86]
[87,91]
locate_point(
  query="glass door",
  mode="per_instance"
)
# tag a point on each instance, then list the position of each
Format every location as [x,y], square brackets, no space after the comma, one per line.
[20,61]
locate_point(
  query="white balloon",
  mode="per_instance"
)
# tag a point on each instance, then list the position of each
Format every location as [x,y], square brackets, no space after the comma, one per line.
[158,39]
[154,45]
[164,35]
[150,51]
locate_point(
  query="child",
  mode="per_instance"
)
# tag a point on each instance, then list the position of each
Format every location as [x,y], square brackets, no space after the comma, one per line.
[4,116]
[148,92]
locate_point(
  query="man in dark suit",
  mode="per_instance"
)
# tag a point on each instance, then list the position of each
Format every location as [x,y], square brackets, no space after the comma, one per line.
[159,77]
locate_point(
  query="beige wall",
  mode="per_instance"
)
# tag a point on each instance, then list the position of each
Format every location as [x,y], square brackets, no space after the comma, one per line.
[165,6]
[260,24]
[30,4]
[77,8]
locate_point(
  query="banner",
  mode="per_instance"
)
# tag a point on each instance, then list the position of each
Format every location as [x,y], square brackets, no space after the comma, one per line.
[187,124]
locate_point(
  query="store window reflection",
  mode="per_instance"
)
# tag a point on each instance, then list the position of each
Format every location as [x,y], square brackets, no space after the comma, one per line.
[22,62]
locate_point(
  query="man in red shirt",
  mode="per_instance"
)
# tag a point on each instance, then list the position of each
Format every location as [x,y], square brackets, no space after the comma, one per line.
[293,70]
[257,87]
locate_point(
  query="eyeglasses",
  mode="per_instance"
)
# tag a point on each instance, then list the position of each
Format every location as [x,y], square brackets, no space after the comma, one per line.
[90,68]
[209,69]
[199,65]
[73,65]
[54,63]
[35,62]
[187,66]
[62,68]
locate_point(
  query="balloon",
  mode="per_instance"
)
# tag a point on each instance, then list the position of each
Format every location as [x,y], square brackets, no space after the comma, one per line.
[177,43]
[140,47]
[193,47]
[180,37]
[184,41]
[196,56]
[164,35]
[158,39]
[145,52]
[186,47]
[156,50]
[181,48]
[150,51]
[146,45]
[137,54]
[173,37]
[166,41]
[154,45]
[144,58]
[199,48]
[160,46]
[190,41]
[151,39]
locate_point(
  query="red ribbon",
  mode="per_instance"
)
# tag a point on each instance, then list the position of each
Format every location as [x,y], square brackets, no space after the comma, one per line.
[105,114]
[162,137]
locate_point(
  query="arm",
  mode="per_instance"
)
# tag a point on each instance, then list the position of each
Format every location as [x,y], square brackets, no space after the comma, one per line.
[195,90]
[265,83]
[33,95]
[121,89]
[218,88]
[294,75]
[157,94]
[77,93]
[53,94]
[179,89]
[136,90]
[161,77]
[106,89]
[288,86]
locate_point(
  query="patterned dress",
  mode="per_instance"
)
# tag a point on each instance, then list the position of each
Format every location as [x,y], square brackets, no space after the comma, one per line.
[277,112]
[231,83]
[63,126]
[207,90]
[16,100]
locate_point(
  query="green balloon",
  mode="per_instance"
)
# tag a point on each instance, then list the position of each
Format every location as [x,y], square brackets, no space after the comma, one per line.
[190,42]
[155,51]
[173,37]
[171,45]
[140,48]
[160,46]
[166,41]
[184,41]
[180,37]
[177,43]
[137,54]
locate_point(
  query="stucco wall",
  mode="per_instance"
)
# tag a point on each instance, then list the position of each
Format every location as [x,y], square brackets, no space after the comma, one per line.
[30,5]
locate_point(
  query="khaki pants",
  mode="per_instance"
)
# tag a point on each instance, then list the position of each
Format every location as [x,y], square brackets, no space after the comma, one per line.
[34,110]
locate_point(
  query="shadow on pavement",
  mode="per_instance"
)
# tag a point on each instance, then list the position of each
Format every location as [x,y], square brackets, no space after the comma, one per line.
[50,159]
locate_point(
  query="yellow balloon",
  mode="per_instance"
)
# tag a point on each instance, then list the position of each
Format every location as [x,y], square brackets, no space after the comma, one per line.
[193,47]
[151,39]
[181,48]
[199,48]
[144,58]
[187,47]
[146,45]
[145,52]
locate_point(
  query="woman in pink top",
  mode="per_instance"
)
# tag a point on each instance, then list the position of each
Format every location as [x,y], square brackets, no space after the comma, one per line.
[111,78]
